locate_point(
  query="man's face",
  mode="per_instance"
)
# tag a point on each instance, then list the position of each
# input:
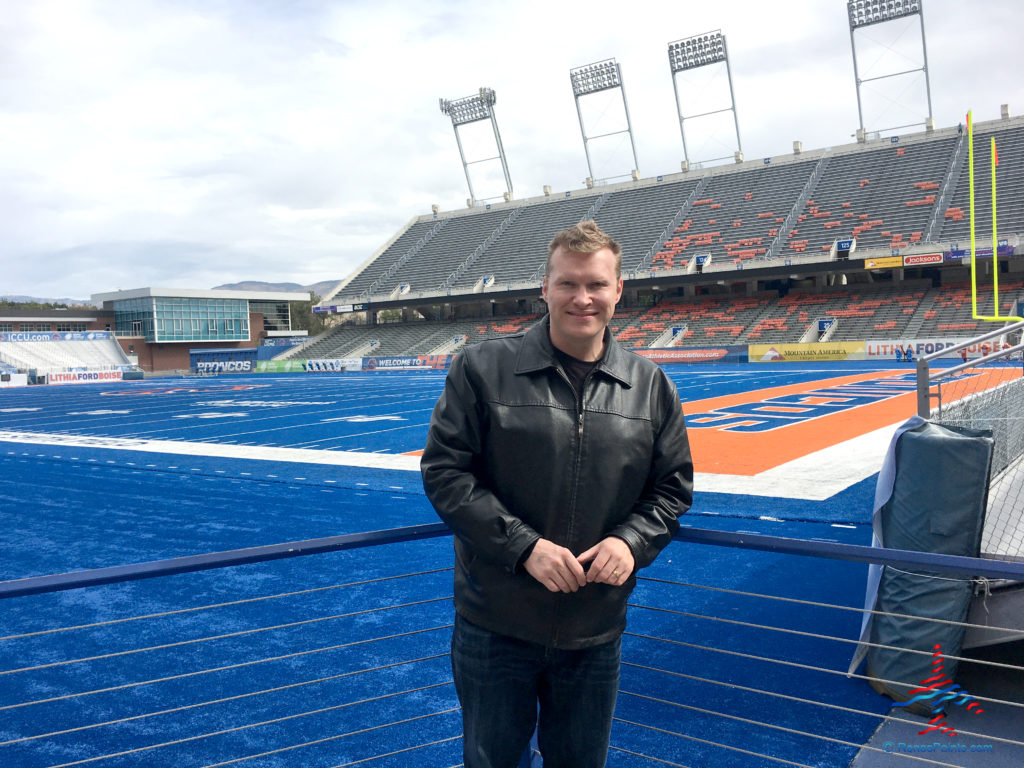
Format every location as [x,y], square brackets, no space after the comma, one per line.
[581,291]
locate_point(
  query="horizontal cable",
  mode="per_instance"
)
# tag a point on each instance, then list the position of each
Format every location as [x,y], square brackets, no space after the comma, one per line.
[329,738]
[224,668]
[645,757]
[211,606]
[225,636]
[712,743]
[798,665]
[817,636]
[771,726]
[788,697]
[247,726]
[399,751]
[815,604]
[223,700]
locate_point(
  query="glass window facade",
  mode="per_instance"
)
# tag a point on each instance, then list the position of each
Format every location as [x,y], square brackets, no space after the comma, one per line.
[68,327]
[171,319]
[134,317]
[276,314]
[6,327]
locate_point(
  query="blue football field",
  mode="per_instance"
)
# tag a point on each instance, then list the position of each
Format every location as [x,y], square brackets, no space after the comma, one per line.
[341,659]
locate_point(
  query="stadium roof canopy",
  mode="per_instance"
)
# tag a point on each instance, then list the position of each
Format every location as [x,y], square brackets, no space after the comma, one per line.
[189,293]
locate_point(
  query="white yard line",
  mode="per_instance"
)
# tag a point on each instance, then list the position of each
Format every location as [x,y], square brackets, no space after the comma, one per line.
[815,477]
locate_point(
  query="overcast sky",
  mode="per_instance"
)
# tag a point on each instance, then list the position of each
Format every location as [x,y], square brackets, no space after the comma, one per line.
[191,143]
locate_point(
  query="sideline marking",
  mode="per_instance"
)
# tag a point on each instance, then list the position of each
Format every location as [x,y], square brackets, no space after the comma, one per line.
[813,477]
[221,450]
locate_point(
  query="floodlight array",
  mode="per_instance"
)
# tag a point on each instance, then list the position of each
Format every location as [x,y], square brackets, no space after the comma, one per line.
[599,76]
[697,51]
[865,12]
[470,108]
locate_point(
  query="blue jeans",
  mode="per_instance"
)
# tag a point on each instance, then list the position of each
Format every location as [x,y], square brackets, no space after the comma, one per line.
[500,681]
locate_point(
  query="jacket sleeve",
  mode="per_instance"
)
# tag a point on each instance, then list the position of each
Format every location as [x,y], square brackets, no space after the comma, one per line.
[668,492]
[454,474]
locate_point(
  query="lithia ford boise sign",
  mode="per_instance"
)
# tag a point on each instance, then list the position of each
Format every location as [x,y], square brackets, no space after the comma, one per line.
[83,377]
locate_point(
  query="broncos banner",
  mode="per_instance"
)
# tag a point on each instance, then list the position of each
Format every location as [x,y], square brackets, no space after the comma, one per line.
[237,360]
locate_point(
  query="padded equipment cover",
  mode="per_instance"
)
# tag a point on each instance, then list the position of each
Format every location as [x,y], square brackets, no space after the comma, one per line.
[937,505]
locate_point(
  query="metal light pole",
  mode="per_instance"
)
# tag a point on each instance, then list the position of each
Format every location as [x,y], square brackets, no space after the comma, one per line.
[692,53]
[471,109]
[865,13]
[593,78]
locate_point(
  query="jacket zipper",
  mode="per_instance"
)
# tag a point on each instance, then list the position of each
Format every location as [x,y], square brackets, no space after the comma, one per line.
[579,399]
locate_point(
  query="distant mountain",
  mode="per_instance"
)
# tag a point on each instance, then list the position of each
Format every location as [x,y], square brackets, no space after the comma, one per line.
[69,302]
[320,289]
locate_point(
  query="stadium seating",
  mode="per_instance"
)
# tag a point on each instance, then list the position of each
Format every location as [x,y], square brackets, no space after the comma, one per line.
[1009,189]
[888,196]
[390,257]
[948,311]
[519,253]
[57,356]
[737,216]
[884,198]
[861,312]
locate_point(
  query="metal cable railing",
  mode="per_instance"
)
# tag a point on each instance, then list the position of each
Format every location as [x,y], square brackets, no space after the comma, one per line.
[397,704]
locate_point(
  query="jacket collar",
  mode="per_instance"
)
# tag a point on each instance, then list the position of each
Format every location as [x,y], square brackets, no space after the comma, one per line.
[537,353]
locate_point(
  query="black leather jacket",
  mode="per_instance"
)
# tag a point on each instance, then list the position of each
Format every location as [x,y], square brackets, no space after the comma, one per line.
[510,458]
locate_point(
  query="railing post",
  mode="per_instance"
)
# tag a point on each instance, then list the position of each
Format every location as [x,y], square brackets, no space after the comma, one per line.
[924,404]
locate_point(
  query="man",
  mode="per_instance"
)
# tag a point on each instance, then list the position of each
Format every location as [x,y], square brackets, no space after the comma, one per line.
[561,463]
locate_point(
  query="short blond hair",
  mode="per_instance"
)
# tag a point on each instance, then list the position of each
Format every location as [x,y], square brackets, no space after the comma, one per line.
[585,237]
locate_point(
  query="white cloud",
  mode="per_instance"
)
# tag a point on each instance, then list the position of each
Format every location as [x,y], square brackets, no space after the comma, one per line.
[190,143]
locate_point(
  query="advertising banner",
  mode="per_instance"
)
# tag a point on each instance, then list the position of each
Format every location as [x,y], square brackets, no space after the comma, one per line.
[419,362]
[335,365]
[223,366]
[55,336]
[83,377]
[802,353]
[886,349]
[280,366]
[920,259]
[284,341]
[884,262]
[964,254]
[675,355]
[233,360]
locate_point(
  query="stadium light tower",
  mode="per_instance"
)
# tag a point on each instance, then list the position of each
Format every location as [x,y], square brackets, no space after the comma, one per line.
[472,109]
[594,78]
[865,13]
[695,52]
